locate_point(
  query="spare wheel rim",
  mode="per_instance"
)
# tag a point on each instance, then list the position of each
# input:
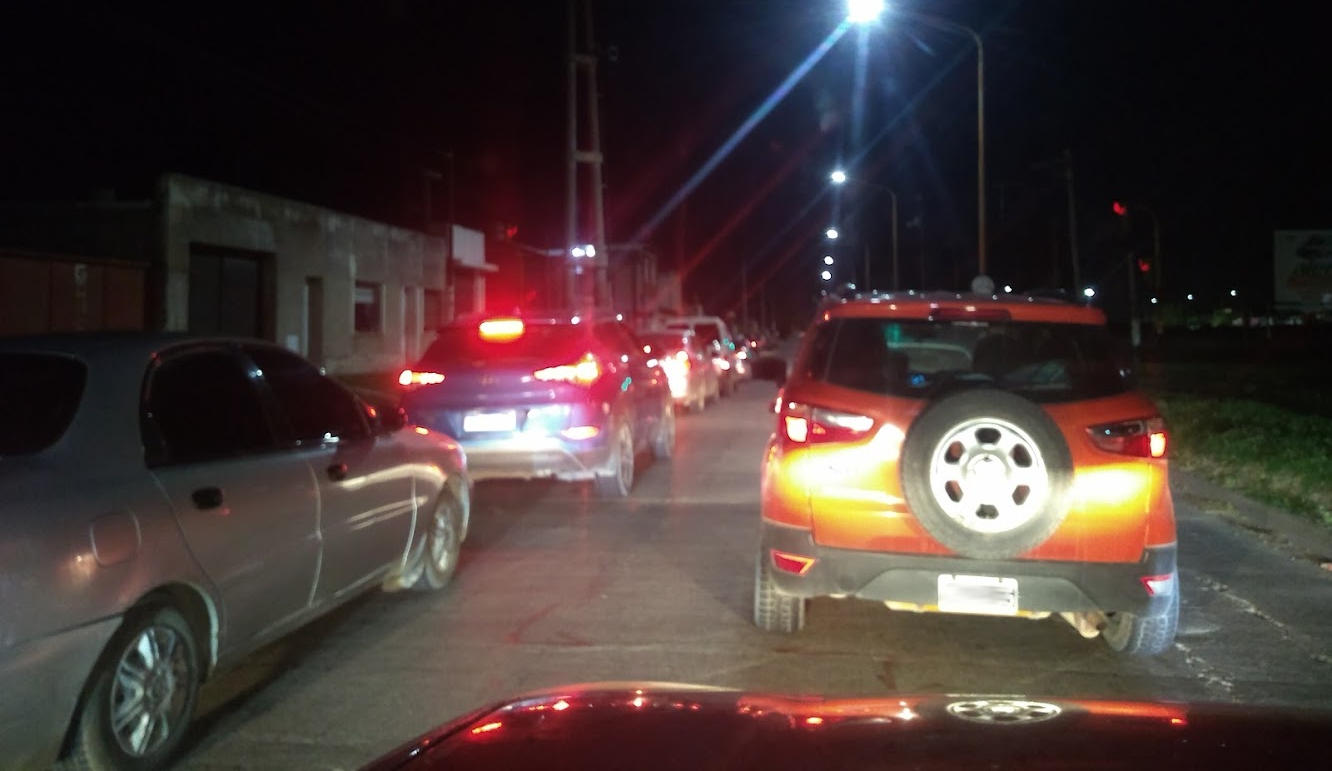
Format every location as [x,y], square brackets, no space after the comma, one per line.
[988,475]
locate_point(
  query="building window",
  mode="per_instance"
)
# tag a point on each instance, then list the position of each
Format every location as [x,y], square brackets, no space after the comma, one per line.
[431,300]
[369,304]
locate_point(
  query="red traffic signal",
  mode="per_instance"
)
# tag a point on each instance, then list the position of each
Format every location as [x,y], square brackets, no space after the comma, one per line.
[1119,209]
[1144,266]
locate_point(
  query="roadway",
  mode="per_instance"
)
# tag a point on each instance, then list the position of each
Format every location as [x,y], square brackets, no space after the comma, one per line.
[556,586]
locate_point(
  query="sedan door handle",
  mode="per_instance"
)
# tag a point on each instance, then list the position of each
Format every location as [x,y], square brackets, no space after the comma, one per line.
[337,472]
[207,498]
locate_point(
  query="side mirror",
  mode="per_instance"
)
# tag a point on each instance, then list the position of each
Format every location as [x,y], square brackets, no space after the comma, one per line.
[770,368]
[384,418]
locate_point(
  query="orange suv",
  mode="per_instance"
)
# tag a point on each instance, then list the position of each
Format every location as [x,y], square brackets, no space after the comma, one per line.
[969,454]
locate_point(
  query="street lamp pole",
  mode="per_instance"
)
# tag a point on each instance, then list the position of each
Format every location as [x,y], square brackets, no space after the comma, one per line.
[952,26]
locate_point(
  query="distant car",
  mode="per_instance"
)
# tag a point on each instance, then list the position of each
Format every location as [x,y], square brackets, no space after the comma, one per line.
[668,726]
[975,455]
[171,504]
[567,397]
[713,331]
[688,366]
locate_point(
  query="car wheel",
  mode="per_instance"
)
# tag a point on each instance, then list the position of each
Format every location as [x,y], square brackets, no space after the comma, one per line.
[987,473]
[774,611]
[1135,635]
[663,441]
[141,695]
[443,541]
[620,480]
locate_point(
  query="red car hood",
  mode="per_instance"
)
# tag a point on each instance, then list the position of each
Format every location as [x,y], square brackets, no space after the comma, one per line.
[677,727]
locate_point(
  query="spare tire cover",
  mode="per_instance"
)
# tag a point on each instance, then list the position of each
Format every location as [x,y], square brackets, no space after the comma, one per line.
[987,473]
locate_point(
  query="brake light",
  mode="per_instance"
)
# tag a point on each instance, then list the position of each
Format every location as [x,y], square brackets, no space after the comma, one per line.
[501,330]
[1143,438]
[409,377]
[814,425]
[583,372]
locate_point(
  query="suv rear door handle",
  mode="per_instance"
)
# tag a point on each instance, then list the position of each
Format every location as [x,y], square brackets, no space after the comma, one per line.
[337,472]
[207,497]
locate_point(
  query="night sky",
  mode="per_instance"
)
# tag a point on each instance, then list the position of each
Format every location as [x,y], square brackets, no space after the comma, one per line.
[1216,122]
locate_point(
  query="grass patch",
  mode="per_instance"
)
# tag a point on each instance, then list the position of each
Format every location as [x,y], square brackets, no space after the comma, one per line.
[1268,452]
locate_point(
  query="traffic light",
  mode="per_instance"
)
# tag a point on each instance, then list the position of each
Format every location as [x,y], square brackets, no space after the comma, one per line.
[1144,265]
[1119,209]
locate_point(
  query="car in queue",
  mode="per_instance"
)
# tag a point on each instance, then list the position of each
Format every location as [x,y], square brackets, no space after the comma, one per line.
[689,371]
[544,397]
[171,504]
[970,454]
[713,332]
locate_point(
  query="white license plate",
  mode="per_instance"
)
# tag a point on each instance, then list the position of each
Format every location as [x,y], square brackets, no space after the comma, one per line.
[490,421]
[987,595]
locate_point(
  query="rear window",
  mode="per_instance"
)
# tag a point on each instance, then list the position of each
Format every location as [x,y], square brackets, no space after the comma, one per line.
[39,394]
[463,346]
[1043,362]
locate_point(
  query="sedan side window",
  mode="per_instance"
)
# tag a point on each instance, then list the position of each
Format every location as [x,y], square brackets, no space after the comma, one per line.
[202,407]
[317,408]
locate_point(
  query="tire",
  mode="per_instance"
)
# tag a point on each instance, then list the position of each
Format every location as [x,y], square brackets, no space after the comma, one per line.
[620,480]
[970,493]
[663,440]
[1134,635]
[150,673]
[443,542]
[774,611]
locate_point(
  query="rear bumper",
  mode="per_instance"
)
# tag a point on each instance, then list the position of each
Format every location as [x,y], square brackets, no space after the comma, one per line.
[1043,586]
[537,456]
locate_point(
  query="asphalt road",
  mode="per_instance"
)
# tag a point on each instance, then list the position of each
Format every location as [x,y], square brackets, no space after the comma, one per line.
[558,587]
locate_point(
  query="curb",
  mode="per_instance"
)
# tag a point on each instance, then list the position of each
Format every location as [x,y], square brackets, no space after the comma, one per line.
[1306,539]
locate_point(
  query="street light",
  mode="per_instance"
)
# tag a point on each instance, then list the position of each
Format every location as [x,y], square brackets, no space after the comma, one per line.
[1190,297]
[863,11]
[839,177]
[951,26]
[1008,288]
[1233,293]
[1089,293]
[826,275]
[827,259]
[831,233]
[583,250]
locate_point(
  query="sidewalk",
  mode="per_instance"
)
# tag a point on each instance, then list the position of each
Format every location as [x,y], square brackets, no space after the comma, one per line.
[1297,535]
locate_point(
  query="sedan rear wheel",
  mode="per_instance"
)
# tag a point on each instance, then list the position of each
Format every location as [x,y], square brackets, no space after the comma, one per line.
[141,697]
[620,481]
[663,442]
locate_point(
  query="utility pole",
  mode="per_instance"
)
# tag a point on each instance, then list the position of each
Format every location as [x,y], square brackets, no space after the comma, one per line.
[1072,220]
[586,62]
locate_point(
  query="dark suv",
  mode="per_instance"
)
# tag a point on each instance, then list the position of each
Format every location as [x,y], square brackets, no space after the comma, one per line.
[563,397]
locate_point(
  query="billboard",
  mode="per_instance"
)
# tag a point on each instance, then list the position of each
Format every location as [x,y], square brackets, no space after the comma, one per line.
[1302,260]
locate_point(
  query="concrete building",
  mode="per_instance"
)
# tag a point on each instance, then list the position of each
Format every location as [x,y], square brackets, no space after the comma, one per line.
[352,294]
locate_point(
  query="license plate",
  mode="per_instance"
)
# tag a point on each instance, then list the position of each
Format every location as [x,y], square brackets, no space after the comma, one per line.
[987,595]
[477,422]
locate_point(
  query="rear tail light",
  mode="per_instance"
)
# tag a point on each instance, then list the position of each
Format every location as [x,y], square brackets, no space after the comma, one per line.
[578,433]
[411,377]
[722,363]
[500,330]
[1143,438]
[803,424]
[583,372]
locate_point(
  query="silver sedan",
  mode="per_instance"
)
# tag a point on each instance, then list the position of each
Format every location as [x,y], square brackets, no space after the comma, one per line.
[170,504]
